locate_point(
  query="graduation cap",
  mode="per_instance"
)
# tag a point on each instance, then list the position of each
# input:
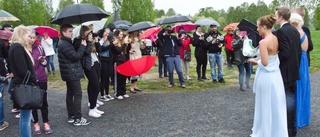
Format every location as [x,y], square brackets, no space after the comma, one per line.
[252,32]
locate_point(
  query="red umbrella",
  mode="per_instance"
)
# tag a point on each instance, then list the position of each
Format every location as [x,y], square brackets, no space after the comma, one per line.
[231,26]
[187,27]
[42,29]
[137,66]
[6,35]
[150,32]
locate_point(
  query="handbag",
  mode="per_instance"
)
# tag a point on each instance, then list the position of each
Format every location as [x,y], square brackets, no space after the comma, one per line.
[28,96]
[187,55]
[248,50]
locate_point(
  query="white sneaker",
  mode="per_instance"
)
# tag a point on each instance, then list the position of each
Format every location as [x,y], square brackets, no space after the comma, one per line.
[93,113]
[98,111]
[125,96]
[100,102]
[109,97]
[119,97]
[105,99]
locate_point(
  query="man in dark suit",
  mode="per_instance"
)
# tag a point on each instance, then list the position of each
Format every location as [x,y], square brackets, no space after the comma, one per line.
[289,55]
[301,12]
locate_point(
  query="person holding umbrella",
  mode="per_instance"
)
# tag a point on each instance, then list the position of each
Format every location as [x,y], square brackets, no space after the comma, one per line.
[121,51]
[172,54]
[71,72]
[135,53]
[214,42]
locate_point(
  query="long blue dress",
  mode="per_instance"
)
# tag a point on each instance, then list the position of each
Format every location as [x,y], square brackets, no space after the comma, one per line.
[303,110]
[270,112]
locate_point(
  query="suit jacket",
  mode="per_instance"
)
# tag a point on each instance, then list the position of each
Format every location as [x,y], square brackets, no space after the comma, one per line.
[310,44]
[289,52]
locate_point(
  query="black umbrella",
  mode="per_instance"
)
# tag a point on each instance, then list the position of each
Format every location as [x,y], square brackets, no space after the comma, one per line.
[252,32]
[173,19]
[141,26]
[122,22]
[78,13]
[113,26]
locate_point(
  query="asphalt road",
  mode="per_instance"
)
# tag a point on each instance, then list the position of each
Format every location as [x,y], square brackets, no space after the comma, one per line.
[220,112]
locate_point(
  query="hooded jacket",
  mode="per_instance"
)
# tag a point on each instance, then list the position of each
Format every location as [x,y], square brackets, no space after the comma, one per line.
[39,68]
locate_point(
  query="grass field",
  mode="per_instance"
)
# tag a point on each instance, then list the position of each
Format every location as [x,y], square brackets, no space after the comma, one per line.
[151,83]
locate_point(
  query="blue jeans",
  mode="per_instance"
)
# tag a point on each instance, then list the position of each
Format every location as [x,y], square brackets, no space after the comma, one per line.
[241,68]
[174,62]
[1,103]
[162,66]
[51,64]
[25,122]
[216,59]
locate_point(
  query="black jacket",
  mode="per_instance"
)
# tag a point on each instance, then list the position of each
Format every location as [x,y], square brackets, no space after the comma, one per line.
[289,52]
[121,54]
[21,63]
[159,46]
[170,44]
[199,44]
[70,60]
[213,48]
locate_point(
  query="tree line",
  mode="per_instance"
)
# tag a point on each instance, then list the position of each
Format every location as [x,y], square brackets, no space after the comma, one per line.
[40,12]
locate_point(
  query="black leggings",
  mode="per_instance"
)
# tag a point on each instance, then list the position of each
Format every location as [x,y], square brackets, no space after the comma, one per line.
[202,60]
[106,74]
[230,57]
[44,109]
[93,84]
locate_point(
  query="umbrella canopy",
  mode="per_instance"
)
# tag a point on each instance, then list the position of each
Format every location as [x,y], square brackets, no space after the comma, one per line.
[230,26]
[173,19]
[150,32]
[97,25]
[187,27]
[78,13]
[141,26]
[207,22]
[137,66]
[6,35]
[46,29]
[251,30]
[6,16]
[122,22]
[119,26]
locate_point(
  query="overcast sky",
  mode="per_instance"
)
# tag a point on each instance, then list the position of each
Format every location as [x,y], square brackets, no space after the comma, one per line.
[185,7]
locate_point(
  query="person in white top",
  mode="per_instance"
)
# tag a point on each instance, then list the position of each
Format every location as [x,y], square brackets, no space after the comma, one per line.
[47,44]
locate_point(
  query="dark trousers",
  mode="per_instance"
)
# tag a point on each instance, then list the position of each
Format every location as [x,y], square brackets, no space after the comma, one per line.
[121,84]
[93,88]
[44,109]
[202,60]
[230,57]
[290,89]
[162,67]
[73,99]
[106,74]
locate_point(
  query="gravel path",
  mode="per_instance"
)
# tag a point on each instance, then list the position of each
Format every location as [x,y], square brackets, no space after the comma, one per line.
[221,112]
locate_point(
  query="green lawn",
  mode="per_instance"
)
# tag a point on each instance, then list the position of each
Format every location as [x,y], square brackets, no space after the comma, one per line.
[151,83]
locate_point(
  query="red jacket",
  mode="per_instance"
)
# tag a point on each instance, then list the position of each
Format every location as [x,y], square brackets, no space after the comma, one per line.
[185,46]
[228,39]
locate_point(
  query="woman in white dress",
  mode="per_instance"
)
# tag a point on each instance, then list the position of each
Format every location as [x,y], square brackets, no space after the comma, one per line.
[135,53]
[270,116]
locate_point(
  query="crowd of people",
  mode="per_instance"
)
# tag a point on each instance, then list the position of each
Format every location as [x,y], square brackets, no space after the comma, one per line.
[281,84]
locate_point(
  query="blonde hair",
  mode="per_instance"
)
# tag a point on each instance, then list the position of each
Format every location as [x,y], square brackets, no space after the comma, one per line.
[132,36]
[297,19]
[18,37]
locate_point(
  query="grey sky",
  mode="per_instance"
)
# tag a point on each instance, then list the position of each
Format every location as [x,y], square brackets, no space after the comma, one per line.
[185,7]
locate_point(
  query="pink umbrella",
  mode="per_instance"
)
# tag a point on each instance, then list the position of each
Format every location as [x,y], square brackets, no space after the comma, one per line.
[6,35]
[42,29]
[187,27]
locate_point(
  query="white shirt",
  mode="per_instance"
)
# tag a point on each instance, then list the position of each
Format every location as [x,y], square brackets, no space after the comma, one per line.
[47,45]
[94,58]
